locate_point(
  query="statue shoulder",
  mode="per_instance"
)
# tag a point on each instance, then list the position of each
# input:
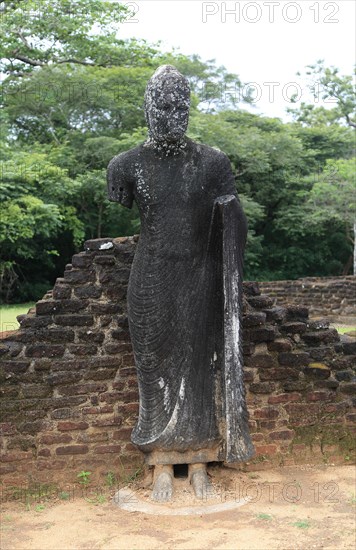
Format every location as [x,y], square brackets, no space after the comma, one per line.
[123,161]
[213,155]
[120,176]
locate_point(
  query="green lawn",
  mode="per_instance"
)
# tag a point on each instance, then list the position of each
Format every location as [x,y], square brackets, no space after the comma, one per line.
[8,315]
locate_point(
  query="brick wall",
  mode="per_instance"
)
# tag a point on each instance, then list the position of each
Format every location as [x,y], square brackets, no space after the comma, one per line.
[328,296]
[69,392]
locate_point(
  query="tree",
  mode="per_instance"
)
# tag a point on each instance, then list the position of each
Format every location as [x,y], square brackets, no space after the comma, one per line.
[333,197]
[326,84]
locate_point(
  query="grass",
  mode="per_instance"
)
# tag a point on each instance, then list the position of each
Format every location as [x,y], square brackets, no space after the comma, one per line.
[301,524]
[8,314]
[342,330]
[266,517]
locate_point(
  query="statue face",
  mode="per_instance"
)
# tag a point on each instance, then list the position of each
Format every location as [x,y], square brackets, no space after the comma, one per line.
[167,105]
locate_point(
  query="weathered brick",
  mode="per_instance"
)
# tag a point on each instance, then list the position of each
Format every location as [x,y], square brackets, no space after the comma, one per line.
[88,291]
[344,375]
[44,307]
[321,336]
[72,450]
[349,389]
[65,377]
[115,293]
[349,348]
[267,424]
[74,320]
[64,413]
[342,363]
[71,426]
[96,244]
[86,389]
[276,314]
[265,449]
[128,360]
[92,336]
[262,387]
[253,319]
[69,365]
[293,327]
[14,457]
[320,353]
[61,292]
[36,322]
[284,398]
[279,373]
[294,359]
[297,313]
[44,452]
[261,360]
[83,260]
[282,435]
[295,385]
[104,449]
[327,384]
[123,434]
[34,427]
[251,288]
[280,344]
[260,302]
[317,396]
[79,277]
[257,437]
[110,421]
[15,366]
[44,350]
[103,309]
[263,334]
[317,370]
[116,348]
[10,348]
[52,335]
[302,414]
[248,375]
[7,428]
[82,349]
[105,259]
[35,390]
[120,275]
[120,334]
[100,374]
[266,412]
[105,361]
[52,439]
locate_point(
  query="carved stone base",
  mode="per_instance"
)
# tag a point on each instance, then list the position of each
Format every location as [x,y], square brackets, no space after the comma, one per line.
[187,457]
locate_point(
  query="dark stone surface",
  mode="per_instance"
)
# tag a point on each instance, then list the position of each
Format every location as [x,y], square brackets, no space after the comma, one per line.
[188,262]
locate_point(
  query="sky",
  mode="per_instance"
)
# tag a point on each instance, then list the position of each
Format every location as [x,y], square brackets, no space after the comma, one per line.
[265,42]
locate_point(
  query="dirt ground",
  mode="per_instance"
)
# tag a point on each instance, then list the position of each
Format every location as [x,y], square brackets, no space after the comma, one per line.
[304,507]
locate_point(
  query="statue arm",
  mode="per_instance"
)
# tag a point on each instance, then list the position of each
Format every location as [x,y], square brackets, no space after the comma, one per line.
[228,188]
[120,188]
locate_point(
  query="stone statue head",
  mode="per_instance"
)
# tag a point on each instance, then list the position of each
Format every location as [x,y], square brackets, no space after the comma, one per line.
[167,101]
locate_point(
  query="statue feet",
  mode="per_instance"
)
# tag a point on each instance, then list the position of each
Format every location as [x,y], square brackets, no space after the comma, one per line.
[163,483]
[200,481]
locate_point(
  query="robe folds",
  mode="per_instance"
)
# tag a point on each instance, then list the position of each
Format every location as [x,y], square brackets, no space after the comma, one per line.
[185,303]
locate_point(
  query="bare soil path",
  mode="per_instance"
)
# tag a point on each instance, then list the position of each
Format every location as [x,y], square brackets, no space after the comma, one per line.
[304,507]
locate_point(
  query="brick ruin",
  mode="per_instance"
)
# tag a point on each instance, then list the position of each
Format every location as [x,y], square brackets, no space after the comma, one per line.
[326,296]
[69,391]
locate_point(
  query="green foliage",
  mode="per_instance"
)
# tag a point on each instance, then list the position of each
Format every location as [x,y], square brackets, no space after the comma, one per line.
[84,478]
[328,86]
[73,98]
[301,524]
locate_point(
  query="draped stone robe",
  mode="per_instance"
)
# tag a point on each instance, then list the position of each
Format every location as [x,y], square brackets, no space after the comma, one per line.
[184,303]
